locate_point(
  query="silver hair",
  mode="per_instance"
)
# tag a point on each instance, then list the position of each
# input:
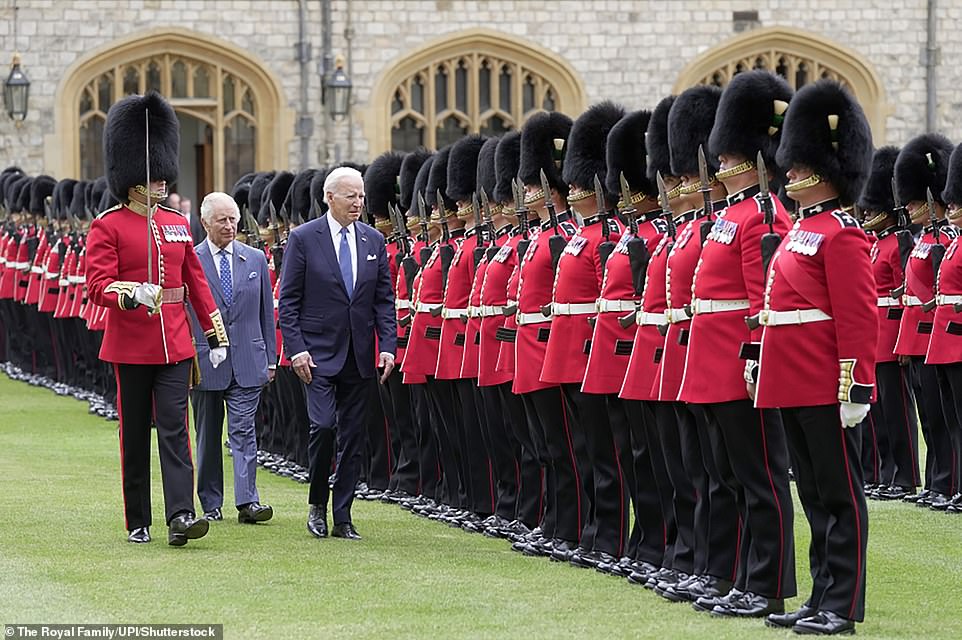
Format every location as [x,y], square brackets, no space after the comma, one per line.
[335,177]
[212,199]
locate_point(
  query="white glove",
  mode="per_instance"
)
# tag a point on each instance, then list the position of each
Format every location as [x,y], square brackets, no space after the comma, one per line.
[218,355]
[852,413]
[148,295]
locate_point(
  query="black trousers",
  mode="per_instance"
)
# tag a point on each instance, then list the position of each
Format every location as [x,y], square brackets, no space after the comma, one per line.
[899,422]
[380,452]
[751,444]
[531,466]
[828,477]
[406,473]
[565,503]
[157,394]
[936,430]
[683,488]
[503,449]
[576,412]
[950,385]
[447,412]
[475,455]
[430,476]
[652,497]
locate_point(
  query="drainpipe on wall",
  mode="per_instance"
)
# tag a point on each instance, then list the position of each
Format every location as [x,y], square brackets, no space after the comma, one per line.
[931,62]
[327,66]
[349,37]
[305,123]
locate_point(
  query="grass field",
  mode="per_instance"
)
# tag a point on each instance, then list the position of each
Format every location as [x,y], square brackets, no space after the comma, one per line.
[64,559]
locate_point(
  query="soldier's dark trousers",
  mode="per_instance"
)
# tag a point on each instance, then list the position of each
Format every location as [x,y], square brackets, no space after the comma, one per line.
[532,460]
[877,461]
[447,411]
[950,384]
[406,475]
[503,450]
[828,477]
[425,424]
[158,394]
[652,497]
[937,430]
[683,488]
[380,424]
[900,422]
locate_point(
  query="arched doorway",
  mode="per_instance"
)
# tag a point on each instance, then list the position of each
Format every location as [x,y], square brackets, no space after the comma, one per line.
[232,113]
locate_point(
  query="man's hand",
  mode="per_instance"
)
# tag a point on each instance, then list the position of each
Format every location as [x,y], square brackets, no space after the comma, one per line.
[904,361]
[218,355]
[751,390]
[385,361]
[852,413]
[148,295]
[302,365]
[270,375]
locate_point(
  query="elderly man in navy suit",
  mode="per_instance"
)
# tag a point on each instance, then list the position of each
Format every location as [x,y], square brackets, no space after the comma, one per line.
[336,298]
[241,285]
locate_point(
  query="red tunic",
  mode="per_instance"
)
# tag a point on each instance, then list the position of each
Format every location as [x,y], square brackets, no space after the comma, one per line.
[534,291]
[78,286]
[729,269]
[887,268]
[402,304]
[648,345]
[824,264]
[454,316]
[425,336]
[506,351]
[116,261]
[679,275]
[8,274]
[63,298]
[946,347]
[21,274]
[493,295]
[50,287]
[610,342]
[919,288]
[35,279]
[471,362]
[578,282]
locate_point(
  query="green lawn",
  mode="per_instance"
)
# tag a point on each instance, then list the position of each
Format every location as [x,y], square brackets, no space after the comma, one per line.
[64,559]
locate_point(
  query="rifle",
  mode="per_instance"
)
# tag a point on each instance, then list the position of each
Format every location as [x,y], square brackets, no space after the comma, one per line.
[665,207]
[557,242]
[423,217]
[705,227]
[446,251]
[407,263]
[606,247]
[521,210]
[479,233]
[493,247]
[638,256]
[770,240]
[937,253]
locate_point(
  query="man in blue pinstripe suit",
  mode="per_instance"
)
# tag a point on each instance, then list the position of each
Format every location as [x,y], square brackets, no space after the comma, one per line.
[240,283]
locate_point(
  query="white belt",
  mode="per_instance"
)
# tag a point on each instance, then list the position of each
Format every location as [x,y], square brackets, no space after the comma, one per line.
[63,282]
[401,303]
[421,307]
[3,262]
[36,269]
[888,301]
[20,266]
[52,275]
[646,318]
[911,301]
[531,318]
[620,306]
[798,316]
[677,315]
[716,306]
[450,314]
[573,308]
[474,311]
[76,279]
[489,311]
[944,300]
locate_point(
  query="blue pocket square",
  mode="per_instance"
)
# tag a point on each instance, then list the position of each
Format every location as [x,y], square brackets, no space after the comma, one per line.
[252,275]
[371,256]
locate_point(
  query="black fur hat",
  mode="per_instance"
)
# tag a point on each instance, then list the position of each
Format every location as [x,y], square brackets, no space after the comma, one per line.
[78,202]
[9,175]
[240,192]
[299,195]
[463,168]
[826,130]
[90,205]
[97,191]
[438,180]
[487,177]
[41,189]
[15,190]
[543,139]
[923,163]
[317,190]
[107,199]
[585,156]
[409,172]
[62,198]
[259,186]
[276,194]
[421,184]
[381,183]
[952,194]
[656,141]
[877,192]
[690,121]
[750,116]
[625,153]
[507,163]
[125,142]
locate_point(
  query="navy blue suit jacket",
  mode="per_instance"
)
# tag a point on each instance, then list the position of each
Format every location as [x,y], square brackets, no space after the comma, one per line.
[315,312]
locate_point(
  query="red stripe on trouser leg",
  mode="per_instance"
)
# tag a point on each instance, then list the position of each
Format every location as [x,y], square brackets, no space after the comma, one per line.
[120,418]
[778,505]
[858,524]
[574,463]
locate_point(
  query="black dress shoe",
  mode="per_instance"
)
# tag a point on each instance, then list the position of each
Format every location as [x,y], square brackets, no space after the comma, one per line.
[939,502]
[317,521]
[787,620]
[825,623]
[709,587]
[926,498]
[214,514]
[140,535]
[186,527]
[750,605]
[915,497]
[641,571]
[345,530]
[707,604]
[254,512]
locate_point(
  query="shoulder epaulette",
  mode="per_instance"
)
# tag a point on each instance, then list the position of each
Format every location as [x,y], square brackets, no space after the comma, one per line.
[111,209]
[845,219]
[568,227]
[169,209]
[660,225]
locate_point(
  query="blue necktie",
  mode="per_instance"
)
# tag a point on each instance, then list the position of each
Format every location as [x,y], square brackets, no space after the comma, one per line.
[225,279]
[344,260]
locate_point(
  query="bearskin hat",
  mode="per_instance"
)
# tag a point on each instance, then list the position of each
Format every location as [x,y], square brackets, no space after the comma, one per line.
[625,154]
[463,168]
[421,184]
[690,121]
[826,130]
[877,192]
[41,189]
[750,116]
[381,183]
[317,191]
[259,186]
[507,162]
[240,192]
[14,189]
[276,194]
[298,200]
[125,142]
[78,201]
[923,164]
[409,172]
[438,180]
[62,198]
[543,140]
[656,140]
[952,194]
[487,177]
[107,199]
[8,176]
[585,156]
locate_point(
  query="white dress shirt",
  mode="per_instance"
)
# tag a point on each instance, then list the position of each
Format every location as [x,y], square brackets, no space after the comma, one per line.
[215,253]
[351,242]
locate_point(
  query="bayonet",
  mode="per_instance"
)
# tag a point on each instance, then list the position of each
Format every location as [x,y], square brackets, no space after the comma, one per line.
[274,226]
[423,217]
[479,233]
[665,207]
[770,240]
[443,218]
[638,255]
[628,209]
[709,210]
[150,215]
[606,247]
[901,214]
[937,252]
[549,202]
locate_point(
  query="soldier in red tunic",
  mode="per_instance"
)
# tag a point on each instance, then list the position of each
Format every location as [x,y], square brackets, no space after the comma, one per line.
[747,444]
[817,358]
[895,456]
[922,165]
[148,336]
